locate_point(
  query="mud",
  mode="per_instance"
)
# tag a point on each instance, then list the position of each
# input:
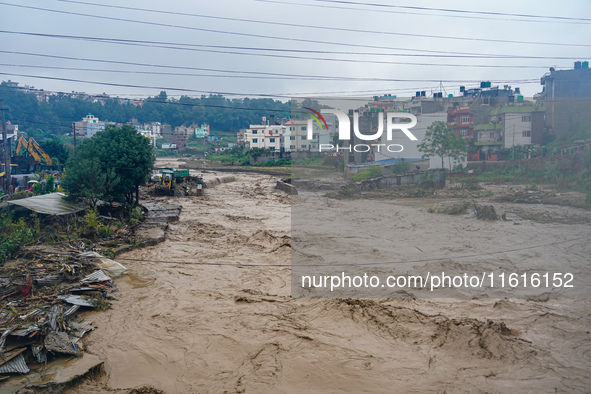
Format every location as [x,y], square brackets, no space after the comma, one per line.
[196,322]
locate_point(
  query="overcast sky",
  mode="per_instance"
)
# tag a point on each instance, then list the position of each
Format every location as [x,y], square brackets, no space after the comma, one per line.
[376,27]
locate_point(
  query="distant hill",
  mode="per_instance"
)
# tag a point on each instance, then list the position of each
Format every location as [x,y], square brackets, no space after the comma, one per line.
[54,117]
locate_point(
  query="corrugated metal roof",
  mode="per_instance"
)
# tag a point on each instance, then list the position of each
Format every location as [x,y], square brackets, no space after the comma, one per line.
[14,362]
[48,204]
[76,300]
[96,276]
[49,280]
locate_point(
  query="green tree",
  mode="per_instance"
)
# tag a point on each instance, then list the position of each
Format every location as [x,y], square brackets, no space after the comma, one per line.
[55,149]
[122,159]
[442,141]
[86,178]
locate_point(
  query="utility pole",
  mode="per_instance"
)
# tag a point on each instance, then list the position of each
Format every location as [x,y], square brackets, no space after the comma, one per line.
[513,142]
[74,134]
[7,151]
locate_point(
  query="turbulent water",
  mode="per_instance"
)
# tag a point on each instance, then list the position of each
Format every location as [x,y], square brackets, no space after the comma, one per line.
[221,328]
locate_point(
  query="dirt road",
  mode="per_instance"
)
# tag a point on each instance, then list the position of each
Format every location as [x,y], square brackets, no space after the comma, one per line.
[209,328]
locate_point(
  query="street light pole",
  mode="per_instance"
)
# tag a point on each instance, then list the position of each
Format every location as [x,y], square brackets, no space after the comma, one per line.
[513,142]
[7,151]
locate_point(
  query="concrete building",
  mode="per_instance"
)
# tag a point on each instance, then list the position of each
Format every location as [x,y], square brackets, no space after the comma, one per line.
[88,126]
[520,125]
[184,130]
[297,136]
[240,136]
[508,126]
[202,132]
[461,120]
[166,130]
[411,148]
[11,131]
[567,98]
[154,129]
[266,136]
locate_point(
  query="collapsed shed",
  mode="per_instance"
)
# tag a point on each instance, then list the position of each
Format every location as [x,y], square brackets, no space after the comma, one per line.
[48,204]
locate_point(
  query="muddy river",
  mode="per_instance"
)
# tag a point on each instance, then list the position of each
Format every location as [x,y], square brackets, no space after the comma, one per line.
[207,326]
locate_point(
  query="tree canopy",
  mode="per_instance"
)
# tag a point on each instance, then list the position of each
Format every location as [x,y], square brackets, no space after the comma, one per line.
[442,141]
[111,165]
[41,119]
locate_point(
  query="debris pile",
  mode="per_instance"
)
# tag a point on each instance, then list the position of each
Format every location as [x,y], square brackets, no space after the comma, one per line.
[43,296]
[526,196]
[474,210]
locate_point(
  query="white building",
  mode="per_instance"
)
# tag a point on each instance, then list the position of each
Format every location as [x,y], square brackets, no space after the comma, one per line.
[89,126]
[11,131]
[155,129]
[298,136]
[411,148]
[265,137]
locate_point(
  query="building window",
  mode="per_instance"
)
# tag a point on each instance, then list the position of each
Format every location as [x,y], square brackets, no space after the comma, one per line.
[526,133]
[303,128]
[526,118]
[292,147]
[292,137]
[290,128]
[271,139]
[302,137]
[255,140]
[255,131]
[451,119]
[465,119]
[492,134]
[304,146]
[464,132]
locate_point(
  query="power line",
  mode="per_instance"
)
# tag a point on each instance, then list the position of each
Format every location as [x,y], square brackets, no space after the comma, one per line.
[130,42]
[407,12]
[451,10]
[296,25]
[528,17]
[424,52]
[359,264]
[176,89]
[311,78]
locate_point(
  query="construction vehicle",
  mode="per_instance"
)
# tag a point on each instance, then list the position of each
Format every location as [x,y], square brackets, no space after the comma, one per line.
[13,169]
[167,183]
[35,152]
[169,180]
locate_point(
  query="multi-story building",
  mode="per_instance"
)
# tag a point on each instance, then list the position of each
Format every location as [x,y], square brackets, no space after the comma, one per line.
[521,125]
[567,98]
[508,126]
[265,136]
[202,132]
[154,129]
[240,136]
[88,126]
[461,120]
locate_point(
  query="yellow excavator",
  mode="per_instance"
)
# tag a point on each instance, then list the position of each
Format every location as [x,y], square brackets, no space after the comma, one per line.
[34,150]
[13,169]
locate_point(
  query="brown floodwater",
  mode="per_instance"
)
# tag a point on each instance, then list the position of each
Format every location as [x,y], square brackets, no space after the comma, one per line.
[206,328]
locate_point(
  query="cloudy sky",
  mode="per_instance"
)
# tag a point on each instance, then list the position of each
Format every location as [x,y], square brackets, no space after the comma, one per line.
[288,48]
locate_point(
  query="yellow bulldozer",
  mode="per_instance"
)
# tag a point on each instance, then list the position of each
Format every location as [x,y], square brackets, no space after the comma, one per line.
[166,184]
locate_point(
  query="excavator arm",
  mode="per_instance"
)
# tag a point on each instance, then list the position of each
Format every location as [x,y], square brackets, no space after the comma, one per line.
[32,152]
[35,146]
[22,143]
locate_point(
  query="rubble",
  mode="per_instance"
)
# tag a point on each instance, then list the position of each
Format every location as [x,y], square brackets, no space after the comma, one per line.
[42,295]
[47,289]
